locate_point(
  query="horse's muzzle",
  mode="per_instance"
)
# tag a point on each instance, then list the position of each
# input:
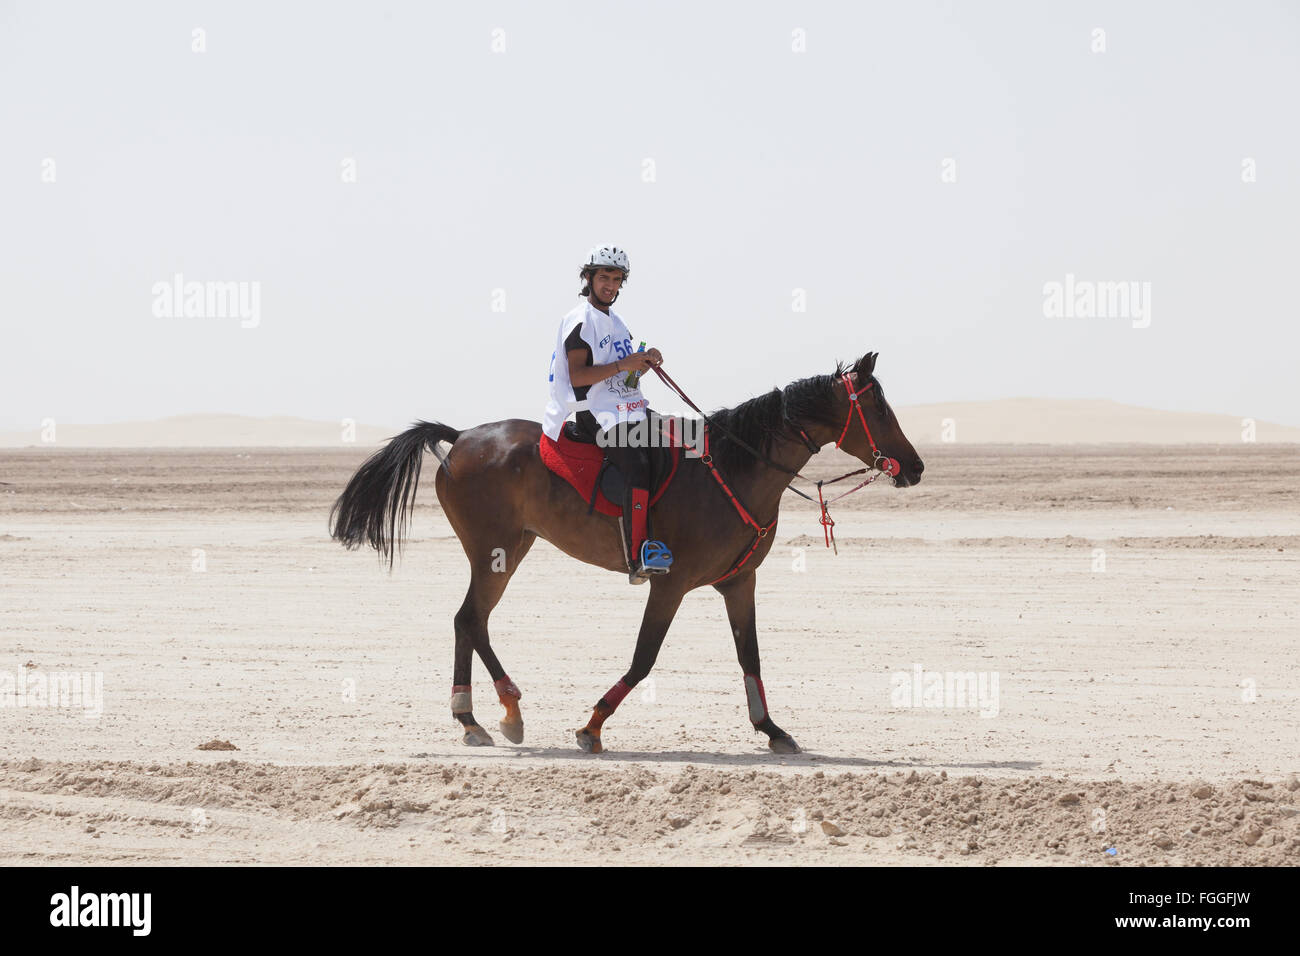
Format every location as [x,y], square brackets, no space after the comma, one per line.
[910,475]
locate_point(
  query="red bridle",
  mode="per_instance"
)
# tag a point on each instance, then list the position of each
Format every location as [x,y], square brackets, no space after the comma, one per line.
[883,464]
[886,464]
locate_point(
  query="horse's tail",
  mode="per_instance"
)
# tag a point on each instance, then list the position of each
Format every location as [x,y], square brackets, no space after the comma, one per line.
[373,508]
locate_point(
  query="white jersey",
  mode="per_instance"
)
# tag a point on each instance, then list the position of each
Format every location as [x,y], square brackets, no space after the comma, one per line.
[611,401]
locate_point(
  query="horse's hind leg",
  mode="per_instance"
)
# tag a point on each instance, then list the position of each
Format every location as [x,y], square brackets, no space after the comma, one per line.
[512,724]
[489,575]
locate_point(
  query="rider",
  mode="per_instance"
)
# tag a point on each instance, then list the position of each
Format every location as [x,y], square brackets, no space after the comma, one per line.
[599,379]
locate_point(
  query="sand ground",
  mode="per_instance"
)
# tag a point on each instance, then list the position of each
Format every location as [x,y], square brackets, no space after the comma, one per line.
[1138,606]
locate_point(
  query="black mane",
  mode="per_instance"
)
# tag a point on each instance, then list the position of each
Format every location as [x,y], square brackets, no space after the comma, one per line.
[760,420]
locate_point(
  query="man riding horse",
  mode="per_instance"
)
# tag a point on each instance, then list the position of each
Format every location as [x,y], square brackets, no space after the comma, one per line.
[499,494]
[595,373]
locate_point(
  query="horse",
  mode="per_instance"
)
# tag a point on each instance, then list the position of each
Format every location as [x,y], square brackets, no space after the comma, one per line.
[499,497]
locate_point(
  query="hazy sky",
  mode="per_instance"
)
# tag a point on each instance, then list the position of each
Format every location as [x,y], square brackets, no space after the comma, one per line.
[495,143]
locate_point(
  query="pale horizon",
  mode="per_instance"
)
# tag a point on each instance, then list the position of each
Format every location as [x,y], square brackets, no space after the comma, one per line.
[1003,421]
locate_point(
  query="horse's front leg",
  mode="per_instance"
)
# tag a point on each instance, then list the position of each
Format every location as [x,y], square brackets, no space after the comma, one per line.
[739,595]
[659,612]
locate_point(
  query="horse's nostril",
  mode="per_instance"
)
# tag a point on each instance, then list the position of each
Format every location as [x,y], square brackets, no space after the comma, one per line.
[920,466]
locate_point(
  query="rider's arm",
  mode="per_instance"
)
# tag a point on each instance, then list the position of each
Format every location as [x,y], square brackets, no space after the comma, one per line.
[581,373]
[579,355]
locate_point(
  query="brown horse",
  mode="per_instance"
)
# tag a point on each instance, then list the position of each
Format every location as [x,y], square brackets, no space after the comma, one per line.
[499,496]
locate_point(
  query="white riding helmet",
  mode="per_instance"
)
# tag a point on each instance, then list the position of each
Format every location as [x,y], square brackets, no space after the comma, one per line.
[608,256]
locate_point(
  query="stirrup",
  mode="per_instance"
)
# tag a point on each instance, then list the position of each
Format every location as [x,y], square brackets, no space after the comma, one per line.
[655,557]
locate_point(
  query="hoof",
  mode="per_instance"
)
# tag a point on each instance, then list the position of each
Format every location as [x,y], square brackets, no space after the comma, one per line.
[513,732]
[784,745]
[589,741]
[476,736]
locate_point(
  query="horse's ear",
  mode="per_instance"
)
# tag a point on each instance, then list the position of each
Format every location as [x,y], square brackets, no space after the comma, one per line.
[866,365]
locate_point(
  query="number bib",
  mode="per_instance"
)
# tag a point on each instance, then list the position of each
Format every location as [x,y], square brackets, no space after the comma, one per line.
[611,400]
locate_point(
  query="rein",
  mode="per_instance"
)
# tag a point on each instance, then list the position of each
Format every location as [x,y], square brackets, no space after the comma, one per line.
[881,464]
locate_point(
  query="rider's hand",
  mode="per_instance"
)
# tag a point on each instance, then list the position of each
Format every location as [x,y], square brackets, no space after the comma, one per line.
[639,361]
[655,357]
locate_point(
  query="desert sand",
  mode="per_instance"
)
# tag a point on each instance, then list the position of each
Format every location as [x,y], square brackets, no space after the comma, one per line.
[1137,604]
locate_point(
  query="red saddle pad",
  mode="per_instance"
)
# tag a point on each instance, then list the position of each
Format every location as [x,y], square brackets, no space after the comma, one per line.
[578,463]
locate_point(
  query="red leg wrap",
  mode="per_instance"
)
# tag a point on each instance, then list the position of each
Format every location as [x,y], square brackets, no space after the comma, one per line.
[506,688]
[614,696]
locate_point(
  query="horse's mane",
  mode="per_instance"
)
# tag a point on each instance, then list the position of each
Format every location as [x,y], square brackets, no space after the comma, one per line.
[759,420]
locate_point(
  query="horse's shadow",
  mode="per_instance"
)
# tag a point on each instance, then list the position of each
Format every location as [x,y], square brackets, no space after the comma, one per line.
[756,759]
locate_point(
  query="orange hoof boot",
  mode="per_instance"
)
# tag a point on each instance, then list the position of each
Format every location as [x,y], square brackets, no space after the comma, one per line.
[512,724]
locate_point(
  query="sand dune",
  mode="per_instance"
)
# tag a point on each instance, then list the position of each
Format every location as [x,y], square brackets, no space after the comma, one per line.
[1003,421]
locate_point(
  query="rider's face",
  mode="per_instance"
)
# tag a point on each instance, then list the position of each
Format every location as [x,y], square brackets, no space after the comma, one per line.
[606,283]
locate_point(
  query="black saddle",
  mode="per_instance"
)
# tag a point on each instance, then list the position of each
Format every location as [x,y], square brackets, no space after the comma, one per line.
[609,479]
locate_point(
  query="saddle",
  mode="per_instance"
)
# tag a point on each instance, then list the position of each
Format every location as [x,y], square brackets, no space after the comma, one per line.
[582,463]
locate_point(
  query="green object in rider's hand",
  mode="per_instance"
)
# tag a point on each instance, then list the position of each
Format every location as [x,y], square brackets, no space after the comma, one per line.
[634,377]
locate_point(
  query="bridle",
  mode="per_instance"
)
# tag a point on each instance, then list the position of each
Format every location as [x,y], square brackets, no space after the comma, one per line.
[881,464]
[880,461]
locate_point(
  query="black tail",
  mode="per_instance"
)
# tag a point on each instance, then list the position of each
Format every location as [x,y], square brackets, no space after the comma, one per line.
[374,506]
